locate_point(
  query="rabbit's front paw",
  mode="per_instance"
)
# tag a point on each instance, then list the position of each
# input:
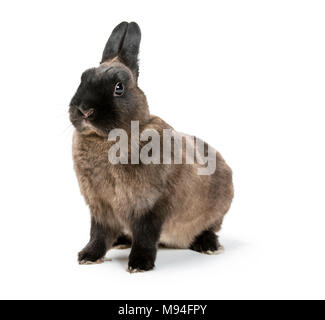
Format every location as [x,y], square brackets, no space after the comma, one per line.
[141,262]
[91,255]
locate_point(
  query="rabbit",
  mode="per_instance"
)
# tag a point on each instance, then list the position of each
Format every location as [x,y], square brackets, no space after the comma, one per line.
[141,205]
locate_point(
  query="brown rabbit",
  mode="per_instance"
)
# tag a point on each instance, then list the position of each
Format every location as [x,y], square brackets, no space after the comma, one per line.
[141,204]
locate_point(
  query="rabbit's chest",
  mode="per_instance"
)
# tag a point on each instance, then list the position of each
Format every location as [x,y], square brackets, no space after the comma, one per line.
[125,189]
[93,173]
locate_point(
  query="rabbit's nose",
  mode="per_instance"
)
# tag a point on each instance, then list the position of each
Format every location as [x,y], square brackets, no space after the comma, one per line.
[87,113]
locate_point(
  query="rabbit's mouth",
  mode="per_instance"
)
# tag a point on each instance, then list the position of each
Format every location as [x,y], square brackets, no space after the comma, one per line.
[86,127]
[83,121]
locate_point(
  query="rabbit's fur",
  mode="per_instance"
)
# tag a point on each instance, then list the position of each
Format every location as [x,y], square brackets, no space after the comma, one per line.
[142,204]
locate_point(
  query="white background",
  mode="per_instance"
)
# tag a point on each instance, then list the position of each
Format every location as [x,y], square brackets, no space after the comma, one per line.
[246,76]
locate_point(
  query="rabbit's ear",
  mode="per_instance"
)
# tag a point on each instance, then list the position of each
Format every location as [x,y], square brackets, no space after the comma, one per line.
[124,43]
[130,48]
[115,42]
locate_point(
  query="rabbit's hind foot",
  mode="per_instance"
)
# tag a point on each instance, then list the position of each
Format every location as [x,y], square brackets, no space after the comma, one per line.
[207,242]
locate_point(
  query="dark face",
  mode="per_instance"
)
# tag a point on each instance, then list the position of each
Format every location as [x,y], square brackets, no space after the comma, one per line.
[104,99]
[108,96]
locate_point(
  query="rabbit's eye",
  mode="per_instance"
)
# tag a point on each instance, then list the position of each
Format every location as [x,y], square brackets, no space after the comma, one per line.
[119,89]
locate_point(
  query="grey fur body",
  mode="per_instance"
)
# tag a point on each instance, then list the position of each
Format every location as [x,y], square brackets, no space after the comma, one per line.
[118,193]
